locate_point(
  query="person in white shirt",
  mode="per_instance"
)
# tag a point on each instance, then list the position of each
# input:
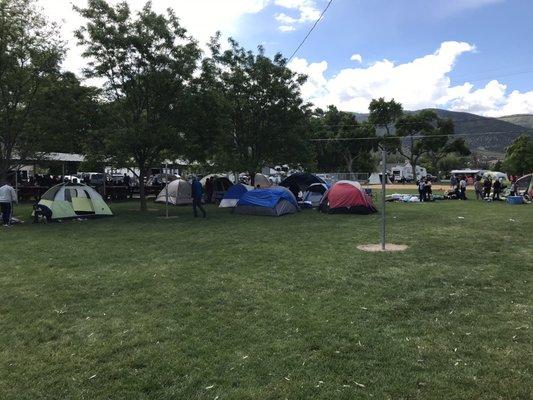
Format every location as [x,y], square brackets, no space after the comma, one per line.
[462,186]
[8,196]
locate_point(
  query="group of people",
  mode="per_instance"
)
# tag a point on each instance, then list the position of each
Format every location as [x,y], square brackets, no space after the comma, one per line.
[425,191]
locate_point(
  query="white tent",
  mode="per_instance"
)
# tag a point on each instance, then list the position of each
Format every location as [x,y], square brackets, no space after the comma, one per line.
[262,181]
[375,179]
[179,192]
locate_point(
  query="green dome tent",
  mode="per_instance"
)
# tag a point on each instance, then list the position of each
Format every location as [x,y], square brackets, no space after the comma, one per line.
[71,200]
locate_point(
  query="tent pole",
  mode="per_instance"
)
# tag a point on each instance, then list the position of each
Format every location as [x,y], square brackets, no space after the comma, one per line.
[383,181]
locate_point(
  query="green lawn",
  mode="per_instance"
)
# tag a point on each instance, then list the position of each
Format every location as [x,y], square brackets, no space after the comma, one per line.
[242,307]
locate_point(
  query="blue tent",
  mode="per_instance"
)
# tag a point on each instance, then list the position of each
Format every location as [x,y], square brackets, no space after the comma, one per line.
[233,195]
[273,201]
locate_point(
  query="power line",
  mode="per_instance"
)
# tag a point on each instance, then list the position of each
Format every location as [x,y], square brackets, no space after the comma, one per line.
[310,31]
[414,137]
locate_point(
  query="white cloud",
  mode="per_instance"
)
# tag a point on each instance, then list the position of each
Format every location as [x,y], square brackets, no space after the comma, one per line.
[420,83]
[307,11]
[357,57]
[202,18]
[286,28]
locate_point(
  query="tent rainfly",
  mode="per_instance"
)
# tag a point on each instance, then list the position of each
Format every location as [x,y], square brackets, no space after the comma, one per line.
[72,200]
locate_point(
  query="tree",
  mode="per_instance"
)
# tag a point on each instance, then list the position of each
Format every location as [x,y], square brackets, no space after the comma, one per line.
[147,61]
[519,156]
[383,115]
[440,144]
[344,149]
[30,53]
[267,120]
[66,112]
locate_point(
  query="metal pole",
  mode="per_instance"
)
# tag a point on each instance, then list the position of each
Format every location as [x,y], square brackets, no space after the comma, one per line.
[166,190]
[383,181]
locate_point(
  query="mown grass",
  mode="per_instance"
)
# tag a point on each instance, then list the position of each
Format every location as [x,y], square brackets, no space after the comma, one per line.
[243,307]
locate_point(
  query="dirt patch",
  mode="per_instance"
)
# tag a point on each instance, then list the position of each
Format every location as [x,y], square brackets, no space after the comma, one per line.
[377,247]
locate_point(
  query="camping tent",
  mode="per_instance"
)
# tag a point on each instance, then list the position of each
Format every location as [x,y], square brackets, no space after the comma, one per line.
[179,192]
[300,180]
[262,181]
[314,194]
[72,200]
[234,193]
[220,187]
[524,185]
[375,179]
[273,201]
[347,197]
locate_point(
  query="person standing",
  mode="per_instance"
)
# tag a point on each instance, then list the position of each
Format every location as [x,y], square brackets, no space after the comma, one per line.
[209,190]
[429,190]
[197,193]
[462,187]
[496,189]
[422,189]
[487,185]
[8,196]
[478,187]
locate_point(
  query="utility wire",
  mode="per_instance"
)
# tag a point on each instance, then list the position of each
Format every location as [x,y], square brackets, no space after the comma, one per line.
[414,137]
[310,31]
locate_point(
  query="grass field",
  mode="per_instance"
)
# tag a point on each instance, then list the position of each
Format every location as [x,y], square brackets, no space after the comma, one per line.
[242,307]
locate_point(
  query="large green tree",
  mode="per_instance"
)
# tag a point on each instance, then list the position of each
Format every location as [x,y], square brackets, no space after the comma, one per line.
[343,141]
[147,61]
[440,144]
[267,120]
[30,54]
[519,156]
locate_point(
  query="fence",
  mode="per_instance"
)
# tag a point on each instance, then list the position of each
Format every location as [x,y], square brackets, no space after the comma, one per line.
[344,176]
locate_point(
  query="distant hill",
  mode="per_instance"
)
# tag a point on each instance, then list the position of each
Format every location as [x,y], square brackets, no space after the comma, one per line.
[525,120]
[491,135]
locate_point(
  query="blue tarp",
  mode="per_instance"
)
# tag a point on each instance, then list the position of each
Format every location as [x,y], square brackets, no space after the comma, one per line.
[235,191]
[266,197]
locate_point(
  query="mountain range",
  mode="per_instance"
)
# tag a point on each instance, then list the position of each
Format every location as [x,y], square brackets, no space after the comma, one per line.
[484,134]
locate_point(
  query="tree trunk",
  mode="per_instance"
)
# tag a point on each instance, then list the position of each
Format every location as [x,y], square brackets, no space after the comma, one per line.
[413,167]
[252,178]
[142,194]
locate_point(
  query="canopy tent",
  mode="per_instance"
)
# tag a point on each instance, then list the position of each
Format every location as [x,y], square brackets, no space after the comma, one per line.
[375,178]
[300,180]
[314,194]
[72,200]
[275,201]
[495,175]
[524,185]
[179,192]
[347,197]
[234,193]
[262,181]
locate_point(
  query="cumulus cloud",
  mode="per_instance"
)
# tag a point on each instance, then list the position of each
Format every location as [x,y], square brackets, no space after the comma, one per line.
[421,83]
[357,57]
[306,10]
[202,18]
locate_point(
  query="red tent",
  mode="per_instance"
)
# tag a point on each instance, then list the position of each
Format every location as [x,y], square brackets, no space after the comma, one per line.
[347,197]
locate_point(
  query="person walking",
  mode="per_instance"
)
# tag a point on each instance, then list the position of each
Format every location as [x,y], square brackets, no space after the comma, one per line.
[462,188]
[197,193]
[478,187]
[8,196]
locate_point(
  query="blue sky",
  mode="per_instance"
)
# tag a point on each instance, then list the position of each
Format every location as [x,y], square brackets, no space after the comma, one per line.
[468,55]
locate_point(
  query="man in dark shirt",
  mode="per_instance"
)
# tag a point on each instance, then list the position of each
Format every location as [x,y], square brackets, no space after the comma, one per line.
[197,193]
